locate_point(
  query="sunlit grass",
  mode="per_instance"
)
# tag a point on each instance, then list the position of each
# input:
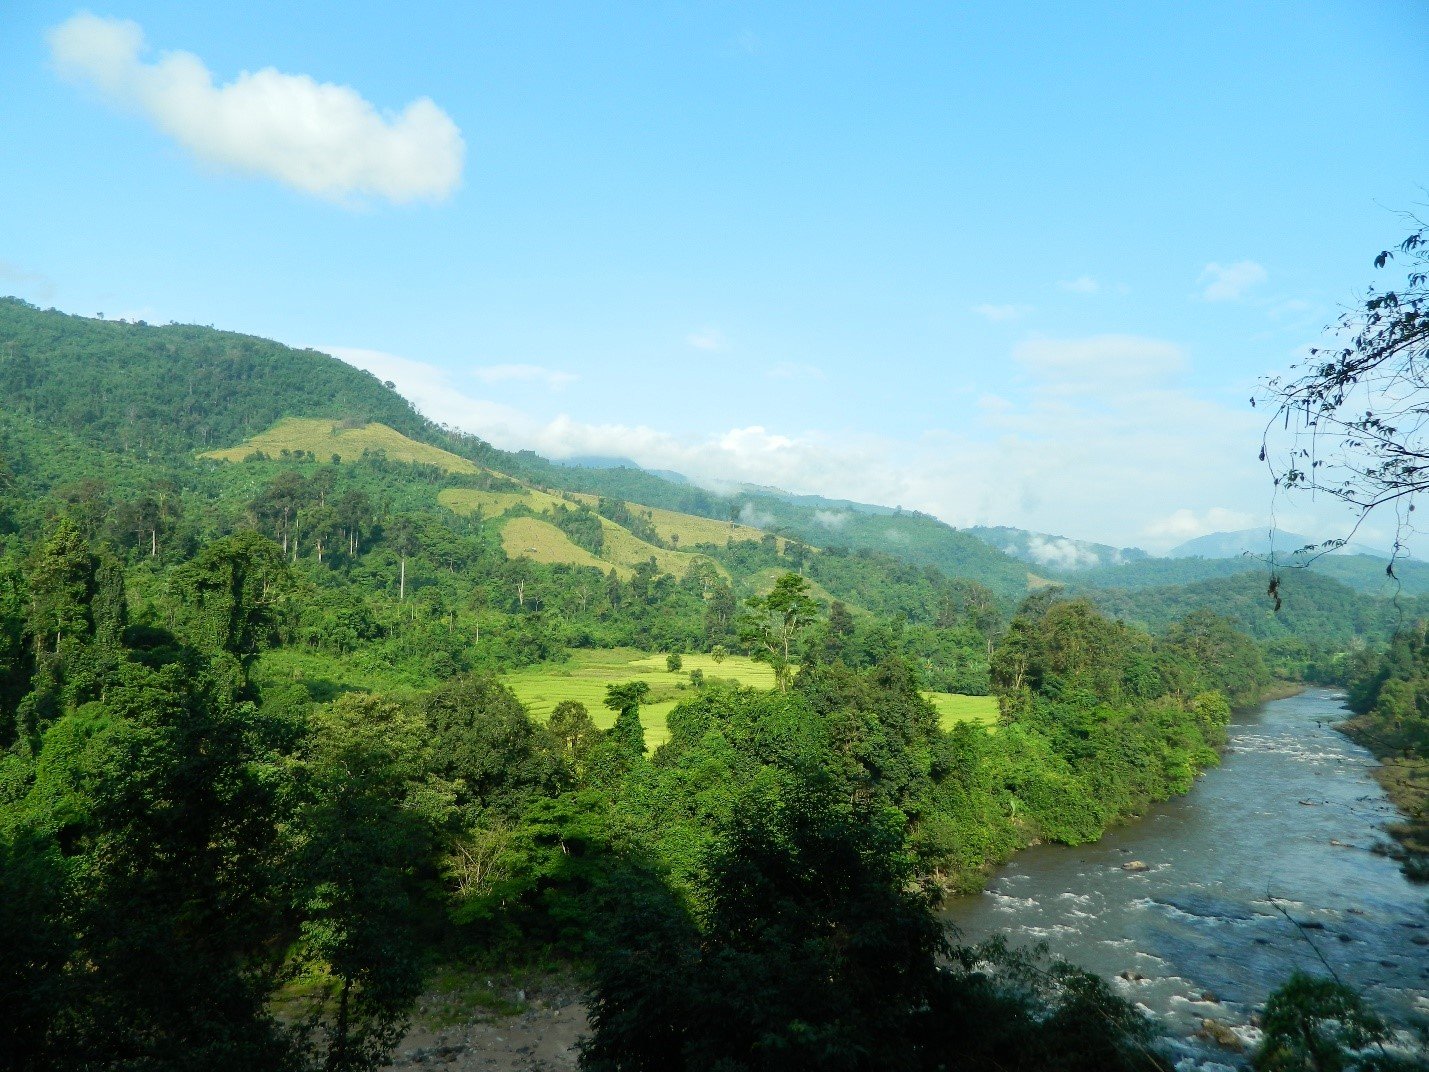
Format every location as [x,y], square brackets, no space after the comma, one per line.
[324,438]
[953,708]
[585,677]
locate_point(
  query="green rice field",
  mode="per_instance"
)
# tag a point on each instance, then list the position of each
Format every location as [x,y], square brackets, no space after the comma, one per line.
[585,676]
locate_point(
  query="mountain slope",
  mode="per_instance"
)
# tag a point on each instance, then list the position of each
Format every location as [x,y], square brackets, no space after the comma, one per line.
[164,392]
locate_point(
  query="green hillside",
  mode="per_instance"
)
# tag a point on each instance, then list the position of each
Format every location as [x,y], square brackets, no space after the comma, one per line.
[1313,608]
[162,391]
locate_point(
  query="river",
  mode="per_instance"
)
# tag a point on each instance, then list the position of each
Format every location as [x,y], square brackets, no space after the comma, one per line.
[1290,814]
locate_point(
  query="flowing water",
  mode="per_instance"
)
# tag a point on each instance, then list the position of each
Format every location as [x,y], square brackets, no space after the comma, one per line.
[1282,828]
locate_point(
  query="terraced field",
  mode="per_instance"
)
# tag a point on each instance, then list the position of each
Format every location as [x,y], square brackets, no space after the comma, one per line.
[327,437]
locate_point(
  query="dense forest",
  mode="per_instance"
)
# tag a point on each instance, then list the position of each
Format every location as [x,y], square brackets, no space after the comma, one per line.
[261,773]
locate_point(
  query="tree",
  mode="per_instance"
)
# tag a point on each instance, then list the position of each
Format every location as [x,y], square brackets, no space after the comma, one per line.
[1357,415]
[228,596]
[367,825]
[575,733]
[617,752]
[163,800]
[774,622]
[1315,1024]
[673,662]
[402,531]
[488,747]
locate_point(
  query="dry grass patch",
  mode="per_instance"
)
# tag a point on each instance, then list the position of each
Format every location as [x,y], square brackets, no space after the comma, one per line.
[324,438]
[541,541]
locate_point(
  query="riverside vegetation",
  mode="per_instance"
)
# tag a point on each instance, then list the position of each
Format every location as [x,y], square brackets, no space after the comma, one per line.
[267,765]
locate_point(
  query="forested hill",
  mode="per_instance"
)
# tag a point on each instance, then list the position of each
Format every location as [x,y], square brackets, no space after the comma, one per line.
[1313,608]
[124,403]
[163,392]
[154,391]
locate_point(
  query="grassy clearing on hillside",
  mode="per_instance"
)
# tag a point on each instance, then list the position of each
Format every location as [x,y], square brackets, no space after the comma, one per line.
[326,438]
[493,504]
[585,677]
[762,583]
[692,530]
[953,708]
[624,547]
[541,541]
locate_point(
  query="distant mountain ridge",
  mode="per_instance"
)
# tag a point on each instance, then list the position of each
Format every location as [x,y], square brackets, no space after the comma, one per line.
[1261,543]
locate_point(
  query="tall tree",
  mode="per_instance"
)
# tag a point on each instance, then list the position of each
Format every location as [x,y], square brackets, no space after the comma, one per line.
[774,623]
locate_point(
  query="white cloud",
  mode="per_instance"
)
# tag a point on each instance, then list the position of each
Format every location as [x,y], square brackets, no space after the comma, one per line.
[1099,362]
[1102,464]
[1061,552]
[320,138]
[832,519]
[1083,284]
[706,339]
[755,518]
[552,378]
[1002,313]
[1186,524]
[1230,282]
[790,370]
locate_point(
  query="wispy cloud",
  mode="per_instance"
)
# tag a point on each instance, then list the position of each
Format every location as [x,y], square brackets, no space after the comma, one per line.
[1001,313]
[1099,362]
[320,138]
[710,339]
[26,283]
[552,378]
[1083,284]
[1230,282]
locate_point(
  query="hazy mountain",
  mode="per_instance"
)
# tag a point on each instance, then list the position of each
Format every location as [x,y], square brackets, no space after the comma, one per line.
[1241,542]
[1259,542]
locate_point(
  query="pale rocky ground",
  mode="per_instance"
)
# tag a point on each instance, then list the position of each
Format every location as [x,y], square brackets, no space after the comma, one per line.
[496,1024]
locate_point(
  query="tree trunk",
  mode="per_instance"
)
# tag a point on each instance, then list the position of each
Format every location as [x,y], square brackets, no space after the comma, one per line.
[337,1056]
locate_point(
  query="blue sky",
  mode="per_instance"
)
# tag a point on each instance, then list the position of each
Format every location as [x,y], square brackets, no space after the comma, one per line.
[1010,264]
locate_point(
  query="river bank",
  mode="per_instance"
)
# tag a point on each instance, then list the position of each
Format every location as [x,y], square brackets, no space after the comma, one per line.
[1281,690]
[1211,901]
[1404,777]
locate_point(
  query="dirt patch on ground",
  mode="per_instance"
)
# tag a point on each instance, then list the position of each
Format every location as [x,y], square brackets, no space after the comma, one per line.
[495,1024]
